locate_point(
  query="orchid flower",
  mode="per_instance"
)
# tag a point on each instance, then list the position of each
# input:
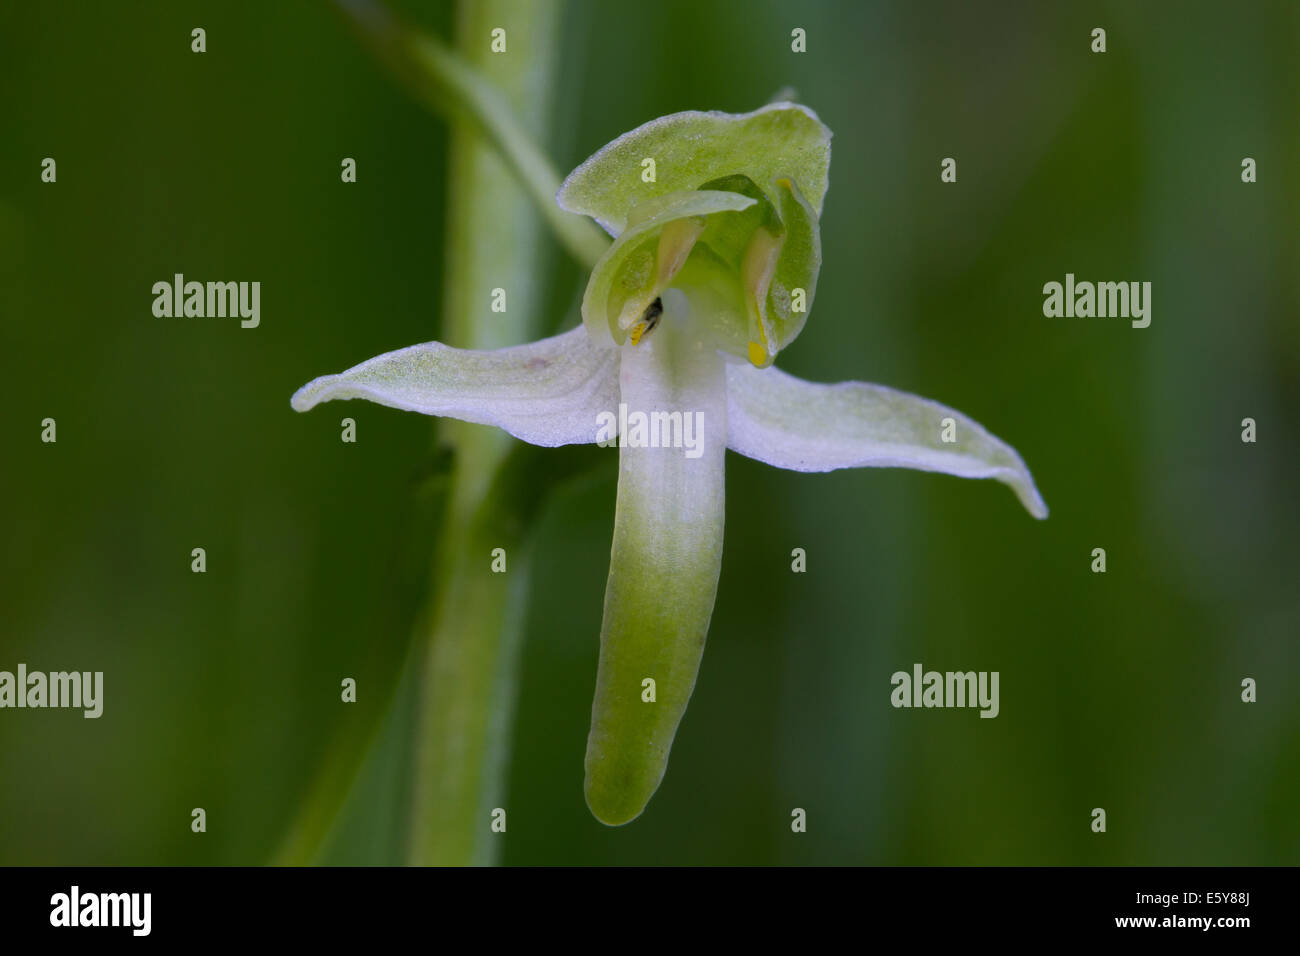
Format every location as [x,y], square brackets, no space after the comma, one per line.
[712,271]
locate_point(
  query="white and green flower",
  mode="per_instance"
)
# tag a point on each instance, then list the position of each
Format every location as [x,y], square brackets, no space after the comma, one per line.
[712,271]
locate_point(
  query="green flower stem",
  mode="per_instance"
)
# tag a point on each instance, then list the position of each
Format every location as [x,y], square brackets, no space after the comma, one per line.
[466,644]
[461,87]
[469,672]
[467,684]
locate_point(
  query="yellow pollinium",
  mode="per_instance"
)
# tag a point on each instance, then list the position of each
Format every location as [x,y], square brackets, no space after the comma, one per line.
[757,355]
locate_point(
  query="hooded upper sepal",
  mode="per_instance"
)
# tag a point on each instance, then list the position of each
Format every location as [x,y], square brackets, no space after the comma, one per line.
[692,148]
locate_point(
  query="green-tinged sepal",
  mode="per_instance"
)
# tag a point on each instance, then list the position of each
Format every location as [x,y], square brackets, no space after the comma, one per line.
[748,266]
[692,148]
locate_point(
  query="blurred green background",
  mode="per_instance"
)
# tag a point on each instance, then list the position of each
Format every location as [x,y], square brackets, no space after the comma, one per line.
[1119,690]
